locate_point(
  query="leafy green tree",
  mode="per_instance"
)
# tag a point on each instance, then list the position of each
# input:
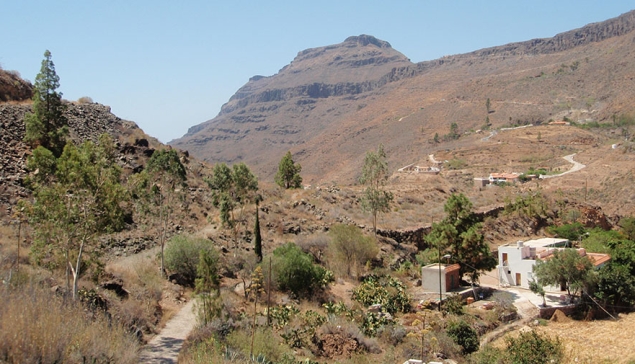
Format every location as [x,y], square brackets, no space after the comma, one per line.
[488,105]
[43,165]
[83,199]
[46,125]
[458,234]
[159,188]
[350,249]
[627,226]
[571,231]
[453,134]
[567,268]
[616,281]
[616,286]
[207,285]
[538,289]
[295,271]
[288,175]
[231,188]
[374,175]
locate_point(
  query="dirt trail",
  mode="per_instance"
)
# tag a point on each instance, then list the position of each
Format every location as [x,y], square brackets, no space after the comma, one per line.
[165,347]
[527,312]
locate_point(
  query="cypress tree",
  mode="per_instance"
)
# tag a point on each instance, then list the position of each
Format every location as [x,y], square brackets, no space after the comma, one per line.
[257,237]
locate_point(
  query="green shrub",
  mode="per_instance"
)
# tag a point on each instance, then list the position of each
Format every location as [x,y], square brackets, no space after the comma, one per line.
[487,355]
[182,256]
[294,271]
[385,290]
[627,227]
[464,335]
[598,240]
[532,348]
[349,249]
[571,231]
[453,304]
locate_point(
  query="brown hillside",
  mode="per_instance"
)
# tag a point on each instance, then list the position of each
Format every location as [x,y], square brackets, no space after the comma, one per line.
[13,87]
[317,106]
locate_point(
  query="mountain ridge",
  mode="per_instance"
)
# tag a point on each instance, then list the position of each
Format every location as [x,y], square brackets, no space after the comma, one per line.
[322,95]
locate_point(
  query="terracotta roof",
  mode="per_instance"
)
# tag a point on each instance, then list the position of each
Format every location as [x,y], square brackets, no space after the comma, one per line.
[451,268]
[598,259]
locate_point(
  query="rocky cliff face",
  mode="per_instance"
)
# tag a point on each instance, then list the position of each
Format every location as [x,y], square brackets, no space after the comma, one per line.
[86,121]
[332,104]
[259,114]
[591,33]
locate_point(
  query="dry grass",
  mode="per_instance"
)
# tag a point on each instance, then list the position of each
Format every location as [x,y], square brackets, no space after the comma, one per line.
[142,280]
[601,341]
[36,326]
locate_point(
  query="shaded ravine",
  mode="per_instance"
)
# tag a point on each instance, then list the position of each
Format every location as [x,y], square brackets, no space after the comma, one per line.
[164,348]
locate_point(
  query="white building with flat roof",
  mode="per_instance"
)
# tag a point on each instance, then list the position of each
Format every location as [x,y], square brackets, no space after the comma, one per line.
[516,260]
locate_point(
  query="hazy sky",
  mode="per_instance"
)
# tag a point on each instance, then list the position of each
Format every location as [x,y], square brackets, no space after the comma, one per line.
[170,65]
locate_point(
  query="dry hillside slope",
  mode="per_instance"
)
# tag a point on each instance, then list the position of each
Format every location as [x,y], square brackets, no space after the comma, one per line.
[332,104]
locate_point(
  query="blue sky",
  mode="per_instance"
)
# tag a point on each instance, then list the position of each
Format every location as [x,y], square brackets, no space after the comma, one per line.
[169,65]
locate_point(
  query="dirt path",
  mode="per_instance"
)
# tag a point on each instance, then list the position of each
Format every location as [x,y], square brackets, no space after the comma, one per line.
[165,347]
[527,311]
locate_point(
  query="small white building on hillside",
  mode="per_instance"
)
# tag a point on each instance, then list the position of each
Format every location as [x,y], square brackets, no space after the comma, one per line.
[516,260]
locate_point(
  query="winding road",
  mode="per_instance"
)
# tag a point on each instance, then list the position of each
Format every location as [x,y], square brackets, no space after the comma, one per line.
[576,167]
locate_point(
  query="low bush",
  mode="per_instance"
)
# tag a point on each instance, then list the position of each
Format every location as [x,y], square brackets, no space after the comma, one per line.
[295,272]
[350,249]
[464,335]
[385,290]
[182,256]
[266,345]
[571,231]
[454,305]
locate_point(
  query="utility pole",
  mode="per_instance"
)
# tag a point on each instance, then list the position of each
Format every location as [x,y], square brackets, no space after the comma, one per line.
[440,296]
[269,294]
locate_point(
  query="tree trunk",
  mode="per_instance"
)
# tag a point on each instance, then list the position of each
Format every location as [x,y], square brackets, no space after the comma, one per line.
[77,268]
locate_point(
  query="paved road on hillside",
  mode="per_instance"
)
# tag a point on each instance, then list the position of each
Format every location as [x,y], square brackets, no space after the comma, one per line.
[164,348]
[576,167]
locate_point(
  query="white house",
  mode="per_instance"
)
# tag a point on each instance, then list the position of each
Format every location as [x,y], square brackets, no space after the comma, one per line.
[516,260]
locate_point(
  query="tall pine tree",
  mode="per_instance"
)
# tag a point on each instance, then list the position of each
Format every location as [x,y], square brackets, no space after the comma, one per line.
[46,125]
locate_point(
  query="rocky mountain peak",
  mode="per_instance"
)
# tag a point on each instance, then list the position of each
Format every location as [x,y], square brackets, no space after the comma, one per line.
[364,40]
